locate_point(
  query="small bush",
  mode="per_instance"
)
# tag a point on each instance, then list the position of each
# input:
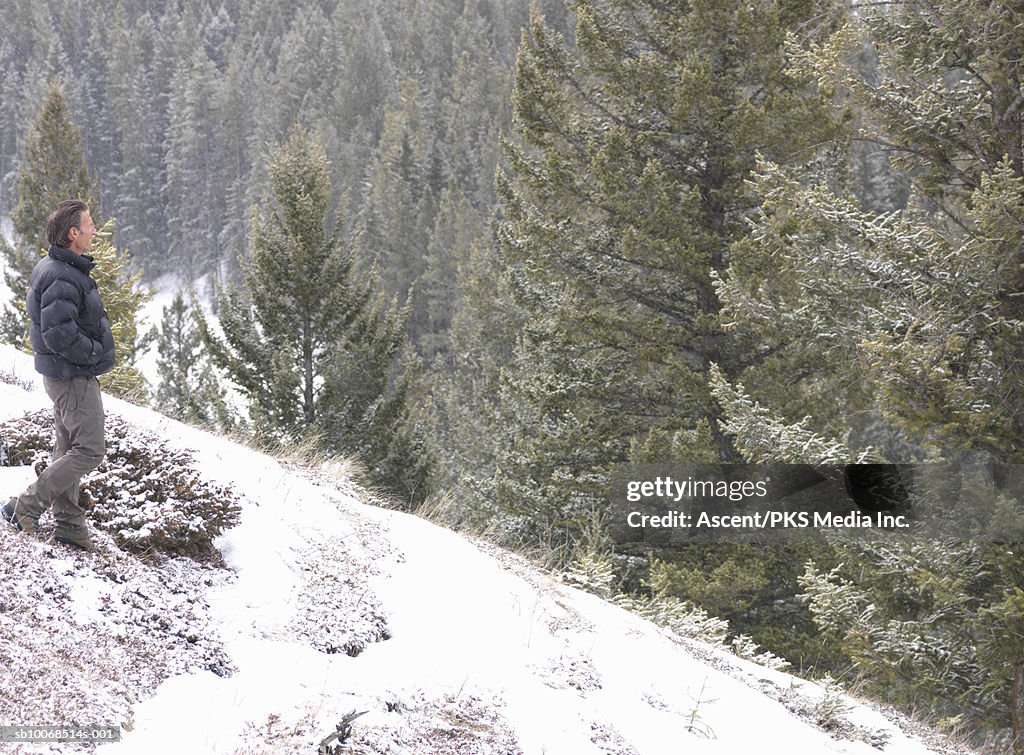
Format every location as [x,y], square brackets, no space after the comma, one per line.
[830,711]
[7,376]
[145,494]
[26,441]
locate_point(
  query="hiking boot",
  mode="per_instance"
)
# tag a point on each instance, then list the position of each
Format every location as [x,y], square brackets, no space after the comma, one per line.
[80,541]
[23,522]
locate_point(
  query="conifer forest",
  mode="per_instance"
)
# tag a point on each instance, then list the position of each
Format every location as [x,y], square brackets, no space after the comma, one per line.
[498,251]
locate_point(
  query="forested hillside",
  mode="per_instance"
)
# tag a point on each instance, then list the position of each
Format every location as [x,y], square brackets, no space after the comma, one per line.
[499,250]
[179,102]
[180,109]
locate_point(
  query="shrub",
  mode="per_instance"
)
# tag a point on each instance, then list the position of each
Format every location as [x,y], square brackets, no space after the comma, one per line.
[147,495]
[26,441]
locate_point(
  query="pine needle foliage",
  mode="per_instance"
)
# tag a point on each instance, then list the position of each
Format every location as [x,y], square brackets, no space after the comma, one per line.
[51,168]
[189,389]
[897,336]
[622,194]
[303,338]
[123,296]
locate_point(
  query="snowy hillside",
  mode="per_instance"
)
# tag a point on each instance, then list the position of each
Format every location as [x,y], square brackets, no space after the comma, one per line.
[327,605]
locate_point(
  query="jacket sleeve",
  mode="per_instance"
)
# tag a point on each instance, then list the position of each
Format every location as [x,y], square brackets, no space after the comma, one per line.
[58,324]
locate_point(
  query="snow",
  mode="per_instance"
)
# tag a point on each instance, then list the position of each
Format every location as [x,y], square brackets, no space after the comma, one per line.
[454,646]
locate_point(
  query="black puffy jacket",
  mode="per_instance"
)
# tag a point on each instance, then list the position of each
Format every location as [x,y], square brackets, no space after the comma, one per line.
[70,331]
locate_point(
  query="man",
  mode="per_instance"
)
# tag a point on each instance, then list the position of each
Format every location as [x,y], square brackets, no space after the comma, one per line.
[73,345]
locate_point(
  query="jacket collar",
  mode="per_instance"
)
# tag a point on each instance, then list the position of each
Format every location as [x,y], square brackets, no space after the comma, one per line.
[82,261]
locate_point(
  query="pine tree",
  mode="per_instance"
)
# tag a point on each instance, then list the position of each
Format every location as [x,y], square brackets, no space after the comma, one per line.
[188,388]
[123,297]
[400,209]
[623,196]
[51,168]
[456,228]
[88,88]
[914,319]
[366,81]
[304,339]
[467,383]
[10,127]
[933,623]
[134,108]
[424,43]
[304,71]
[476,108]
[195,206]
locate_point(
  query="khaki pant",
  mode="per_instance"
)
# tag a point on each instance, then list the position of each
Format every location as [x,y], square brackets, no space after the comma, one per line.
[78,421]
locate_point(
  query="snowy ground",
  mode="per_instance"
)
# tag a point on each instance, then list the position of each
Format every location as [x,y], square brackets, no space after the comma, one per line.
[330,605]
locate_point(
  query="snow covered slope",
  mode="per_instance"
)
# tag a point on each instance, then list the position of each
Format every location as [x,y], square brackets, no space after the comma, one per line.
[329,605]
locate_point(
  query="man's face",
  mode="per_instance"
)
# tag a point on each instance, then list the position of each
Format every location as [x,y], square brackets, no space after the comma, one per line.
[81,237]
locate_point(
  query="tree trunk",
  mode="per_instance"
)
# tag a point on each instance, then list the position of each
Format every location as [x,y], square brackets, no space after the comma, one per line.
[1017,709]
[307,372]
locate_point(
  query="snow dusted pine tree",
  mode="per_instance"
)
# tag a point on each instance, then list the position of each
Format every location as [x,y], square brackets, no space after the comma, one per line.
[914,321]
[305,340]
[189,389]
[622,195]
[124,296]
[194,201]
[51,168]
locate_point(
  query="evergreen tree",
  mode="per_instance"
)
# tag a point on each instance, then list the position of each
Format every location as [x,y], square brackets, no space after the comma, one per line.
[457,226]
[914,319]
[304,72]
[123,297]
[135,191]
[400,208]
[467,382]
[241,156]
[188,389]
[427,46]
[51,168]
[219,32]
[10,127]
[89,89]
[304,339]
[367,80]
[195,205]
[476,108]
[623,198]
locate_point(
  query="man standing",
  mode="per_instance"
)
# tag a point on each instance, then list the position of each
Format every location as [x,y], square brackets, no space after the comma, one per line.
[73,345]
